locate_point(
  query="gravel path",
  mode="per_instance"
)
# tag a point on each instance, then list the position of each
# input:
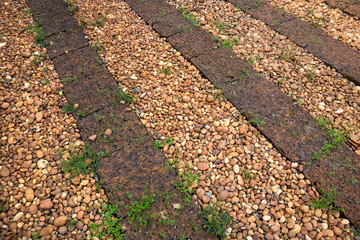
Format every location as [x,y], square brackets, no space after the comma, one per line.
[37,198]
[317,88]
[336,23]
[266,195]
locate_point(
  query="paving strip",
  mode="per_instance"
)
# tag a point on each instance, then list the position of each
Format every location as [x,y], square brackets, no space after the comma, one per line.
[132,167]
[251,93]
[331,51]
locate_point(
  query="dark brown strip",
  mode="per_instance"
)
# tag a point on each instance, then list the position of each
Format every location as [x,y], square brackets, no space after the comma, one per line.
[332,52]
[132,163]
[351,7]
[290,128]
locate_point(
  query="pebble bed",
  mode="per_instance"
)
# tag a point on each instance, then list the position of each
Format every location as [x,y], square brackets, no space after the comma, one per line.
[37,198]
[307,80]
[266,195]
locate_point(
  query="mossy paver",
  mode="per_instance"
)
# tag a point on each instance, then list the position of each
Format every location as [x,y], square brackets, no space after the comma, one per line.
[351,7]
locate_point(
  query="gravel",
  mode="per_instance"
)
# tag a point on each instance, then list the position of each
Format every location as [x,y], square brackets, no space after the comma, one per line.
[266,195]
[306,79]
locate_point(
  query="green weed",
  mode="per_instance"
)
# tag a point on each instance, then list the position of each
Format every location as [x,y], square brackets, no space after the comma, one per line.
[217,220]
[36,236]
[137,209]
[40,36]
[326,201]
[188,16]
[161,143]
[111,225]
[230,42]
[84,162]
[120,96]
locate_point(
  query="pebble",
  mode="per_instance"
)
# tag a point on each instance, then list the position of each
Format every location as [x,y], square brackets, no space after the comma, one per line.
[18,216]
[4,171]
[29,194]
[60,221]
[46,204]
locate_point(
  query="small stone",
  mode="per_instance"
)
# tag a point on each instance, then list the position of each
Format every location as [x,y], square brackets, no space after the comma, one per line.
[41,164]
[236,168]
[26,54]
[221,129]
[223,195]
[93,137]
[202,166]
[210,99]
[267,48]
[337,231]
[46,204]
[4,171]
[60,221]
[318,212]
[46,230]
[275,228]
[18,216]
[251,219]
[266,218]
[39,154]
[33,209]
[186,99]
[29,194]
[108,132]
[302,183]
[222,145]
[39,116]
[62,230]
[76,180]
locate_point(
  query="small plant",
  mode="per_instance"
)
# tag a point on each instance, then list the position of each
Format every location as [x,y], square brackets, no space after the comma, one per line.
[161,143]
[217,220]
[247,175]
[222,25]
[72,221]
[72,7]
[258,3]
[257,120]
[85,162]
[315,40]
[188,16]
[229,43]
[68,108]
[167,71]
[287,57]
[83,112]
[99,21]
[185,29]
[36,236]
[111,225]
[326,201]
[40,36]
[99,118]
[277,22]
[120,96]
[309,74]
[136,209]
[187,180]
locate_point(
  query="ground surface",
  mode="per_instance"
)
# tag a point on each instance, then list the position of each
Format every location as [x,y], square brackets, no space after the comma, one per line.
[227,159]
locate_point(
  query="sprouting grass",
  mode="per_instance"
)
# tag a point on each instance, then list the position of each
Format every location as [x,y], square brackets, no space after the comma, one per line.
[326,201]
[137,210]
[40,36]
[84,162]
[188,16]
[161,143]
[217,220]
[230,42]
[120,96]
[111,225]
